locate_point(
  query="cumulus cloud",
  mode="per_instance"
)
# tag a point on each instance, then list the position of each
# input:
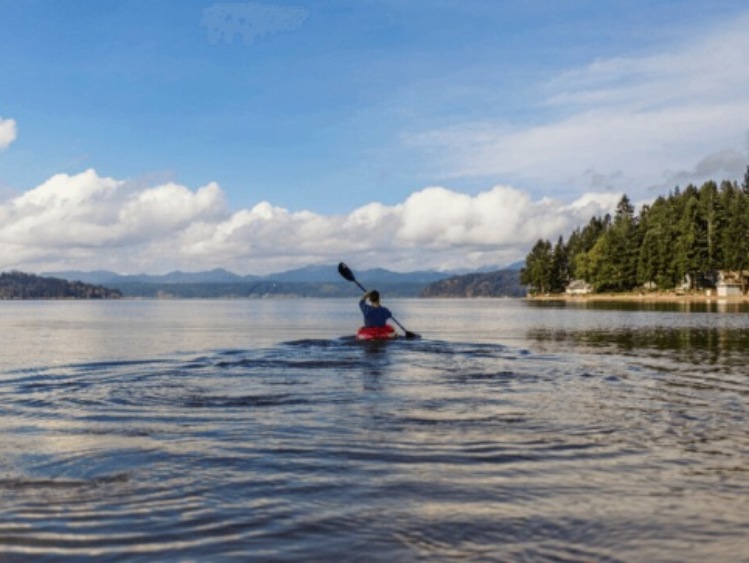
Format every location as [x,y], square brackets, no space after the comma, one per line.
[97,221]
[86,210]
[8,132]
[86,221]
[626,123]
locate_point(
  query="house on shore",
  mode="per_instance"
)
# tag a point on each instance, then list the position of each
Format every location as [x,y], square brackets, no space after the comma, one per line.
[728,289]
[579,287]
[731,283]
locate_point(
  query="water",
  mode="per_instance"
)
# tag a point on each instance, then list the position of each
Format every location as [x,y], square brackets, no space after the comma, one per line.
[259,430]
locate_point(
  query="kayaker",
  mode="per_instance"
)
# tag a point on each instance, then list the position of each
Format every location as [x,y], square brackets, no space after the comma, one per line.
[375,315]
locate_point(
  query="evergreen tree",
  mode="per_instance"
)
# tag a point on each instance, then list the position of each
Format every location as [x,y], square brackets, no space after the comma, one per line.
[712,217]
[735,235]
[559,275]
[600,269]
[691,243]
[615,259]
[690,234]
[647,256]
[664,230]
[579,245]
[538,267]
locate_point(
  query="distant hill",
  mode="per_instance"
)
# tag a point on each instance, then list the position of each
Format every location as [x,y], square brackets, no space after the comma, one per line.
[18,285]
[310,281]
[307,274]
[380,276]
[218,275]
[502,283]
[261,289]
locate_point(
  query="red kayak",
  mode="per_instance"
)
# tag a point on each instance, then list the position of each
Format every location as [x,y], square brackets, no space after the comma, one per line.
[376,333]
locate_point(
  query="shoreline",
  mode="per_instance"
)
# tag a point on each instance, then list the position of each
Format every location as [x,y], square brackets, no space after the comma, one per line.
[658,297]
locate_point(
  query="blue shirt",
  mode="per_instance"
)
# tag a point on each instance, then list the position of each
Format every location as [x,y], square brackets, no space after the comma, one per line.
[374,316]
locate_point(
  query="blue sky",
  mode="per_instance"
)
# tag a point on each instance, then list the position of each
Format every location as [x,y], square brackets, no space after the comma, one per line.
[312,131]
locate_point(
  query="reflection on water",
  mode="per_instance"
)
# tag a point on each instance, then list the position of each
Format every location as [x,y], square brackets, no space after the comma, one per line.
[705,335]
[686,306]
[706,348]
[264,431]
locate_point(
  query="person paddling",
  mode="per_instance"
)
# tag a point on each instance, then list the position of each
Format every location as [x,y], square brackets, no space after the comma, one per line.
[384,330]
[375,315]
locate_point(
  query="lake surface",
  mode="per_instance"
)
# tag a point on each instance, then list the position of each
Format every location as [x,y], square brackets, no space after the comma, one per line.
[261,430]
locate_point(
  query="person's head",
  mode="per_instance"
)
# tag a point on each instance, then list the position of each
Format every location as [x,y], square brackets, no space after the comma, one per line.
[374,296]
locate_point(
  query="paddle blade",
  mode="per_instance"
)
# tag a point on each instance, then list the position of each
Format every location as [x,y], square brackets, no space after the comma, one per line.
[346,272]
[408,334]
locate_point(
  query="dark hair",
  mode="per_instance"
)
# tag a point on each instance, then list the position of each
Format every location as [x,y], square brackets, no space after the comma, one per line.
[374,296]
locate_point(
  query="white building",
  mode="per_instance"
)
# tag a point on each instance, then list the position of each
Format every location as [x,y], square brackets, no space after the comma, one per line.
[728,289]
[579,287]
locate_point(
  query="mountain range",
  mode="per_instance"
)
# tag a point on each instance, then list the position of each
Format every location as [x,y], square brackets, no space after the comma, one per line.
[307,274]
[502,283]
[309,281]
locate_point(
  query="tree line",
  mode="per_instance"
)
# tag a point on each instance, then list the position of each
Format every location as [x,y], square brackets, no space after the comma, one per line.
[683,238]
[19,285]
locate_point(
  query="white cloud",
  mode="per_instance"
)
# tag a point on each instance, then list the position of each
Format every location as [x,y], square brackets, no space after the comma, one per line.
[87,210]
[433,228]
[87,221]
[8,132]
[626,124]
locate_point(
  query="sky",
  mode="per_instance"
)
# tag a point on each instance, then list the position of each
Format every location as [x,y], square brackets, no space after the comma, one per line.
[149,136]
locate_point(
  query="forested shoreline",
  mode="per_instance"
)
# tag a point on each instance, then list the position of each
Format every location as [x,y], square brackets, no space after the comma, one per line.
[19,285]
[682,240]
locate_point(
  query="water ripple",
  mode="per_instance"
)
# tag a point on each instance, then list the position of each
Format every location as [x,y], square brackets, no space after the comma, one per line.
[325,449]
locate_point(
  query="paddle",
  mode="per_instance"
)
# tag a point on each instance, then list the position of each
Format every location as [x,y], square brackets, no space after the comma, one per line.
[346,272]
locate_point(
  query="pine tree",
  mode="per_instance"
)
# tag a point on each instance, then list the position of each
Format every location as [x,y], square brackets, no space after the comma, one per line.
[559,276]
[691,248]
[712,217]
[647,256]
[537,271]
[735,235]
[622,248]
[694,233]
